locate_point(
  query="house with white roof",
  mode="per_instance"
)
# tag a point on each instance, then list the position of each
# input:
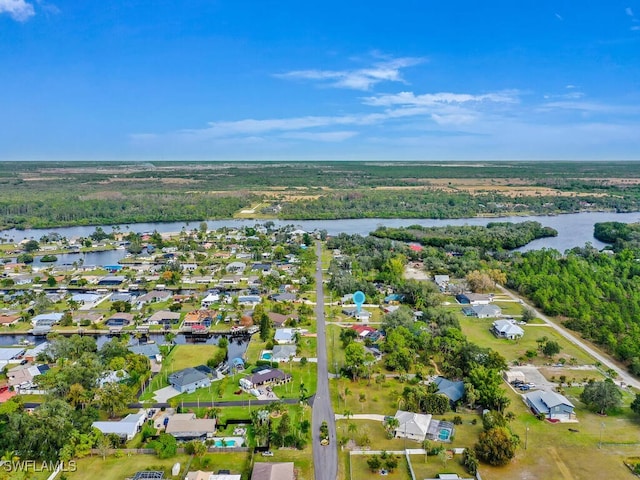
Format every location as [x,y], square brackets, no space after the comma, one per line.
[506,329]
[208,301]
[284,336]
[125,428]
[413,426]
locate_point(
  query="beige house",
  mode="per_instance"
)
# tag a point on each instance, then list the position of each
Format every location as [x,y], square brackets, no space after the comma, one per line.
[185,426]
[200,475]
[273,471]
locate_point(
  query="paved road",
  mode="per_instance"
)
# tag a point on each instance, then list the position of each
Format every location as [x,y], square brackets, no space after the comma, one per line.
[623,375]
[325,459]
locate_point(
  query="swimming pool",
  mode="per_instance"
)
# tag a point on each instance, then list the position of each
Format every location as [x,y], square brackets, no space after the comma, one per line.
[227,443]
[266,355]
[444,434]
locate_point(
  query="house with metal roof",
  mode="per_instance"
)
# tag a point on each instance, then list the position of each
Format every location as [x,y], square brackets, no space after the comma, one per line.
[125,428]
[506,329]
[550,404]
[189,380]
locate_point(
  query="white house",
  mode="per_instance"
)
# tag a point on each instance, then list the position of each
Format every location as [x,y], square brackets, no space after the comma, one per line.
[209,300]
[125,428]
[506,329]
[284,336]
[413,426]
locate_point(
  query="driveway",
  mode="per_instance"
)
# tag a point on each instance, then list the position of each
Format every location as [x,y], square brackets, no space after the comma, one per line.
[533,375]
[164,394]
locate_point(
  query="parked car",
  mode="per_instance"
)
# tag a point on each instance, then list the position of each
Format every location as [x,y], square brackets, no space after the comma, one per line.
[267,454]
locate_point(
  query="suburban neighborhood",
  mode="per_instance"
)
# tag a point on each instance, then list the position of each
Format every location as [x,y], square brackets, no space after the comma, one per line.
[200,354]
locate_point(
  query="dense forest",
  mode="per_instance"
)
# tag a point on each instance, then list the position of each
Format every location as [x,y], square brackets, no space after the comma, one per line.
[621,235]
[496,235]
[36,194]
[442,204]
[597,293]
[68,209]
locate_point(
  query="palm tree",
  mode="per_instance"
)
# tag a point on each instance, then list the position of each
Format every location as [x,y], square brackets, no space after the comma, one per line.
[352,428]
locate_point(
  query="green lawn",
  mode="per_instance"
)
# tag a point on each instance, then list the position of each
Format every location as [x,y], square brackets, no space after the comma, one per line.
[555,452]
[430,467]
[360,470]
[181,356]
[335,352]
[113,468]
[477,331]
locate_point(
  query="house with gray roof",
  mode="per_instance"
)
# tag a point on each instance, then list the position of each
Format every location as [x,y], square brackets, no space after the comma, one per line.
[283,353]
[454,390]
[482,311]
[550,404]
[164,317]
[271,376]
[189,380]
[506,329]
[149,350]
[46,319]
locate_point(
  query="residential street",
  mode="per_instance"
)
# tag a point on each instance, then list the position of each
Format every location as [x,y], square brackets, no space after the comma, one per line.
[623,375]
[325,458]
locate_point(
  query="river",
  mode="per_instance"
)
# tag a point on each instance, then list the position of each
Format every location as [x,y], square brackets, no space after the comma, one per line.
[574,229]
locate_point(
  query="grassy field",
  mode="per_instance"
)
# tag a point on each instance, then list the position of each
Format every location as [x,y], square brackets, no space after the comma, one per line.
[430,467]
[361,471]
[554,452]
[335,353]
[302,459]
[181,356]
[113,468]
[477,331]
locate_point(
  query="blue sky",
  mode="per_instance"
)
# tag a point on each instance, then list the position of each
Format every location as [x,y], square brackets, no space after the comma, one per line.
[307,80]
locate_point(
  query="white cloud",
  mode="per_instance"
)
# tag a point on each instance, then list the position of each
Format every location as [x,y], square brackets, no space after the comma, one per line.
[590,107]
[431,99]
[19,10]
[635,28]
[359,79]
[559,17]
[629,12]
[337,136]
